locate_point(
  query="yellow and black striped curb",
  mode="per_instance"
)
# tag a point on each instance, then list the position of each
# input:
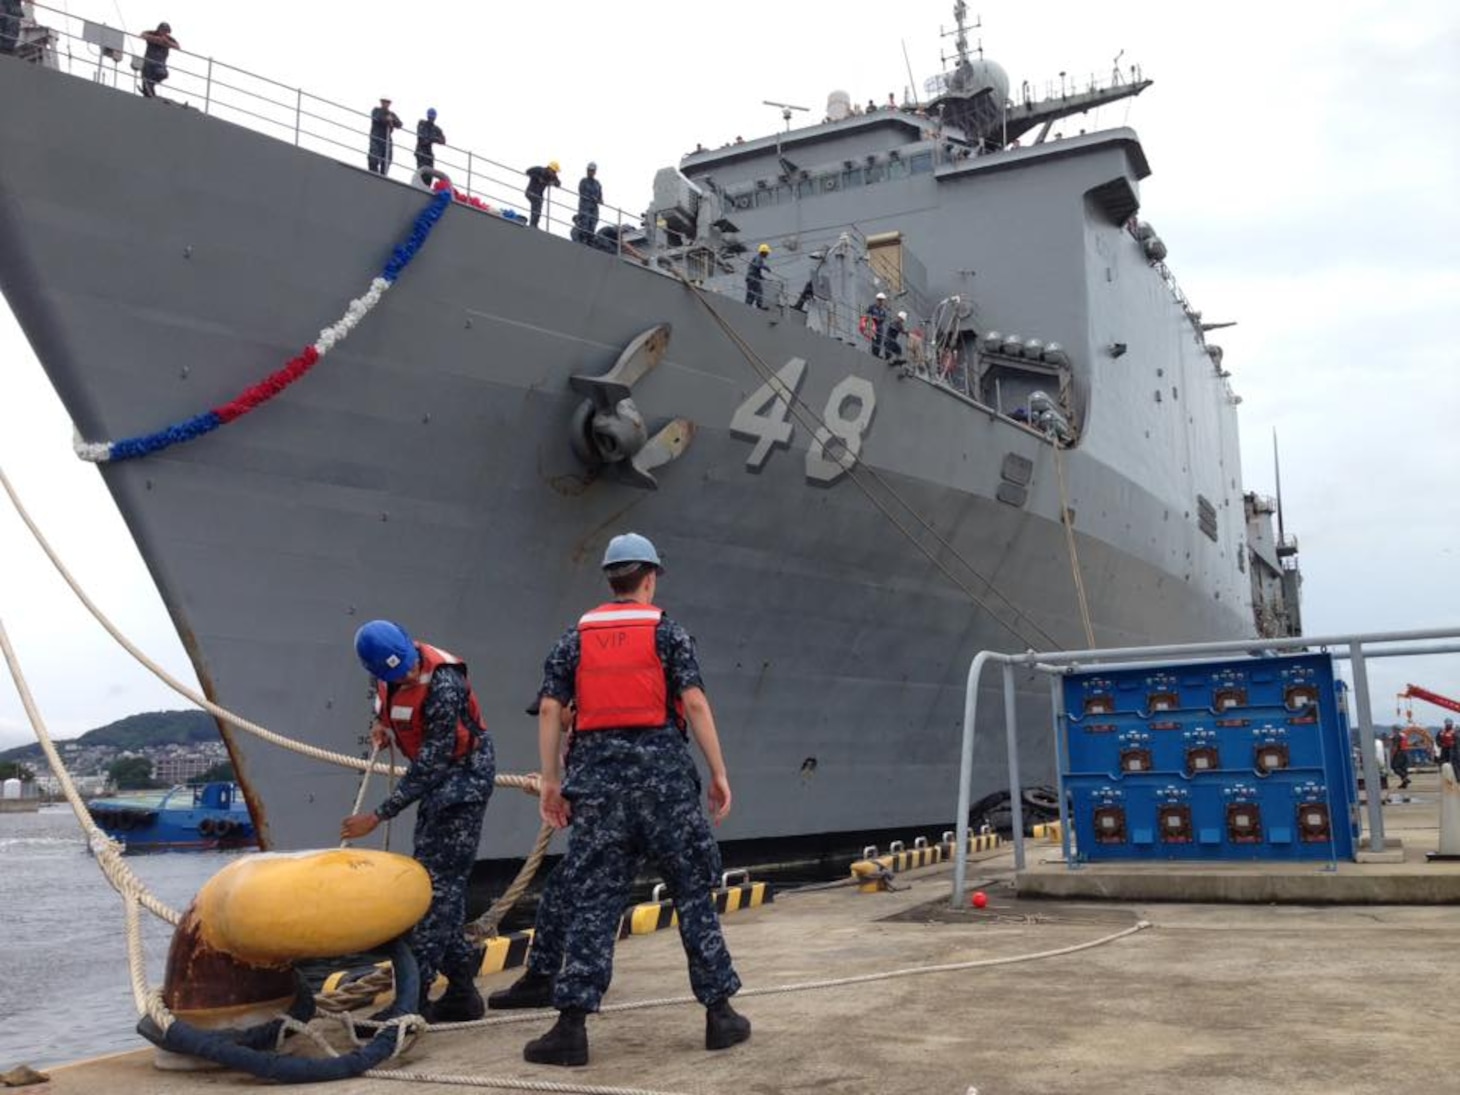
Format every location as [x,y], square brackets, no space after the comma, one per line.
[507,952]
[1050,832]
[924,855]
[653,916]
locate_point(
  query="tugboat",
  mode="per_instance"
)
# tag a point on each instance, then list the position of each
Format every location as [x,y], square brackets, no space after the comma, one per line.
[213,816]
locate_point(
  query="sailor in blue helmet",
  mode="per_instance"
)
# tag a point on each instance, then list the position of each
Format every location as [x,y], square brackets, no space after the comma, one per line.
[428,135]
[631,787]
[424,700]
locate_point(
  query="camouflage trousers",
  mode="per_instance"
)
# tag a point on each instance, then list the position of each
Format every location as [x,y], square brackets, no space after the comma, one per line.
[635,795]
[550,926]
[446,841]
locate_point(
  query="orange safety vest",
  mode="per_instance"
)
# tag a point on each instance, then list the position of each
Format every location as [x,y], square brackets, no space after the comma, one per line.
[620,682]
[400,706]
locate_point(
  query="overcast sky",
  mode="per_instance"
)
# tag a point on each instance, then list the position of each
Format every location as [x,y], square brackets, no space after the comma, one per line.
[1305,178]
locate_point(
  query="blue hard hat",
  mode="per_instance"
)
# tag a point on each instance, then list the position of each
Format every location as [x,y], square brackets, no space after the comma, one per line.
[385,650]
[630,547]
[431,114]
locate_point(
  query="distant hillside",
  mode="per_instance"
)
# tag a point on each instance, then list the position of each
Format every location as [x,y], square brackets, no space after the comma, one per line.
[135,731]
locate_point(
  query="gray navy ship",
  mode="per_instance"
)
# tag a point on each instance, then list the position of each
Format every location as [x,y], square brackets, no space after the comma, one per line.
[1045,457]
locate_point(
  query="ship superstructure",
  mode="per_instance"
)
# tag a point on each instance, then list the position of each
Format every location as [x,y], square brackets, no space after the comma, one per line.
[1051,459]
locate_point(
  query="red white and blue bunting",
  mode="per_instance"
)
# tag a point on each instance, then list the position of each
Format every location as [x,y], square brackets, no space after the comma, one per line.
[256,396]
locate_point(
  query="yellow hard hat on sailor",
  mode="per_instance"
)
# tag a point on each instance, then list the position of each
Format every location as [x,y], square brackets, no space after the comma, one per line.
[765,249]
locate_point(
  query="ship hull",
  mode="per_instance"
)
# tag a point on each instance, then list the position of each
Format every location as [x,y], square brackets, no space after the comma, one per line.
[160,261]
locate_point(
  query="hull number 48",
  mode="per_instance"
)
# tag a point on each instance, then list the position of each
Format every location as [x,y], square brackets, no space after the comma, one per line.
[836,442]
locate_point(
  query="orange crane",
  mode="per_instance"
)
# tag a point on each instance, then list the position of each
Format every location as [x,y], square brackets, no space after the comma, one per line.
[1429,697]
[1417,740]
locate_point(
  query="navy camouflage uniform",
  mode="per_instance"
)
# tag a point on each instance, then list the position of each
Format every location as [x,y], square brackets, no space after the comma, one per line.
[451,798]
[554,911]
[634,793]
[755,281]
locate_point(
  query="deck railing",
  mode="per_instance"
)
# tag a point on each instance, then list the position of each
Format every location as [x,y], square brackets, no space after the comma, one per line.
[86,49]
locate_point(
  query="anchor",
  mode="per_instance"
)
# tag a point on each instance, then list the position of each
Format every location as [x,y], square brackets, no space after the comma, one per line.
[608,429]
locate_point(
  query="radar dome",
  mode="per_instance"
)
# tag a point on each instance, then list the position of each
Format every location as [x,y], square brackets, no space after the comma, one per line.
[986,74]
[838,105]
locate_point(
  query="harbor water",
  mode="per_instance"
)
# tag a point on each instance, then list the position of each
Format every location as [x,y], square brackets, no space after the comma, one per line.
[64,990]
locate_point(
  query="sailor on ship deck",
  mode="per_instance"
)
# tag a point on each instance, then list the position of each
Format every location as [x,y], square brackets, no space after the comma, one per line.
[11,12]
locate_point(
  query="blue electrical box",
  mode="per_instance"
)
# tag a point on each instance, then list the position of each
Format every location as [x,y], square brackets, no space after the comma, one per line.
[1225,760]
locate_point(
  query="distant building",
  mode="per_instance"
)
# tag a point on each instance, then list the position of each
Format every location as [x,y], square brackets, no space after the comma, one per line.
[180,769]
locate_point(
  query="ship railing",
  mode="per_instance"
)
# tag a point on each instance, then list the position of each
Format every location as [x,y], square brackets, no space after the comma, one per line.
[1068,85]
[1355,647]
[113,58]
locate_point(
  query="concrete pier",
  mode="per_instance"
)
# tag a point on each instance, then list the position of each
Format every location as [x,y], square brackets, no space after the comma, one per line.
[1210,1000]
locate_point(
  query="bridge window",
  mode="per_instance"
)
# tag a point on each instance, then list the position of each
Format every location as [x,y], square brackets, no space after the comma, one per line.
[921,163]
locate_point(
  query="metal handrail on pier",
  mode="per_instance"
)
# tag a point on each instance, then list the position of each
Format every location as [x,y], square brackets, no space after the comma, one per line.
[72,45]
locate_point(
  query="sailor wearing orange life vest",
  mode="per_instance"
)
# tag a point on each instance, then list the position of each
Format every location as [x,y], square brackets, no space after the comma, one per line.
[631,789]
[424,700]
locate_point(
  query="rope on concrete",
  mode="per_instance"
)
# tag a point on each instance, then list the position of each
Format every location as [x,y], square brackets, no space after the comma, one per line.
[314,752]
[809,986]
[461,1080]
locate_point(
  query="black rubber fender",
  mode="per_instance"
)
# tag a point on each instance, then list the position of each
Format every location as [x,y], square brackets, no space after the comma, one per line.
[245,1050]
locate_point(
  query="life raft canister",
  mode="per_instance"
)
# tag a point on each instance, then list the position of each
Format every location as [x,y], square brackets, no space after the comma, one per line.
[620,682]
[401,708]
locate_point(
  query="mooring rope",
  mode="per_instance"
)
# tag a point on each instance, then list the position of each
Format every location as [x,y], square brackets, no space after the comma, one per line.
[108,853]
[1067,519]
[484,927]
[314,752]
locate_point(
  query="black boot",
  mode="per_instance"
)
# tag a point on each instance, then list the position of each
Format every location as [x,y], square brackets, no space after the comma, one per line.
[460,1003]
[565,1044]
[724,1026]
[531,990]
